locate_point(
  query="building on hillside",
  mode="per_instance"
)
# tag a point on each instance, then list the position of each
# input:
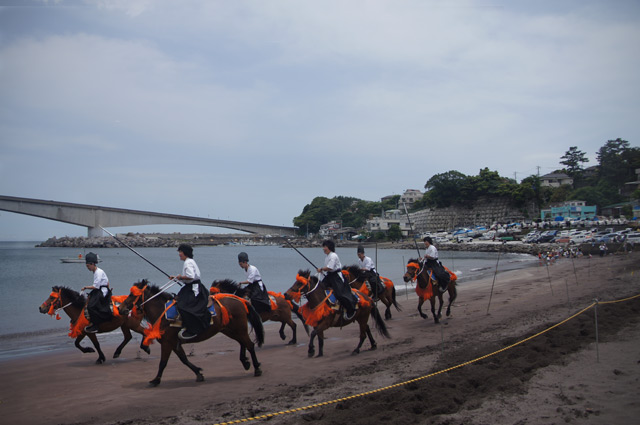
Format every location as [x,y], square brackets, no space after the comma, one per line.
[555,179]
[330,228]
[391,217]
[569,210]
[409,197]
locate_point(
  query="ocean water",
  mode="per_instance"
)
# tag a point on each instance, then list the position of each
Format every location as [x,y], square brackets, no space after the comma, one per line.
[27,274]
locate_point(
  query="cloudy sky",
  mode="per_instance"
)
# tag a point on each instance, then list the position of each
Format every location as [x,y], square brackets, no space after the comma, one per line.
[247,110]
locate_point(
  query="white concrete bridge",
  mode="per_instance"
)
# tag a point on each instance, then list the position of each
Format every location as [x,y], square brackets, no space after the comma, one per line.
[94,217]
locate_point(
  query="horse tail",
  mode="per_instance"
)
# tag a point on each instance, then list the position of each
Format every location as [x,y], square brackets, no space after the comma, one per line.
[296,310]
[393,298]
[256,323]
[454,290]
[381,326]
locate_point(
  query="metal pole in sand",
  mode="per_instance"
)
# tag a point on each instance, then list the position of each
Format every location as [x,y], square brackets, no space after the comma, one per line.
[596,318]
[494,281]
[549,276]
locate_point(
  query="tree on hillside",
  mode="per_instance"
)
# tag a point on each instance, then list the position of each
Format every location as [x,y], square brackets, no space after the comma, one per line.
[573,160]
[618,161]
[445,189]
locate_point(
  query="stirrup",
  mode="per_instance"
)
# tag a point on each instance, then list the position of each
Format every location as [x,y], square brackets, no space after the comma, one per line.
[184,331]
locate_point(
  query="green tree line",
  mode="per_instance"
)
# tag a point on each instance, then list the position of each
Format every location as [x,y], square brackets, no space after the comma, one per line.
[616,165]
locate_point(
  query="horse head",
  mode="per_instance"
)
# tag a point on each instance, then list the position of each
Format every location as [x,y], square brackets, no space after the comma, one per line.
[301,286]
[352,273]
[137,294]
[413,269]
[61,297]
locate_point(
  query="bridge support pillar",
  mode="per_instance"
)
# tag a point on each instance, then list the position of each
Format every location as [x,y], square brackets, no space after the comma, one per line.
[95,232]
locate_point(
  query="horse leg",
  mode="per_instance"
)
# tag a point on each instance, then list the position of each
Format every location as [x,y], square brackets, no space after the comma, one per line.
[320,342]
[440,306]
[242,337]
[387,302]
[420,302]
[139,329]
[364,331]
[183,358]
[165,352]
[281,331]
[82,348]
[433,309]
[127,337]
[311,351]
[293,327]
[453,293]
[96,344]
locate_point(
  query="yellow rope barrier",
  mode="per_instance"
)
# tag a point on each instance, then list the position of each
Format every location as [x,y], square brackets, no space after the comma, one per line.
[351,397]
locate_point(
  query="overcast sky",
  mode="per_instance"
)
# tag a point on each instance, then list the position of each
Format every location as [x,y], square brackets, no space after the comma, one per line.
[247,110]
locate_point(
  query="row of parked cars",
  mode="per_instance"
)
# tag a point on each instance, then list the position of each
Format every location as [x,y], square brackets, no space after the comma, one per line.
[582,236]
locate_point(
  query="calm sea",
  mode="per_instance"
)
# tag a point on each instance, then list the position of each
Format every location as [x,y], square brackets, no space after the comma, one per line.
[28,273]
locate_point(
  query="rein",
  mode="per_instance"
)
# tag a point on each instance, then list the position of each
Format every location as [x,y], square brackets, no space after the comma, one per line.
[419,269]
[51,311]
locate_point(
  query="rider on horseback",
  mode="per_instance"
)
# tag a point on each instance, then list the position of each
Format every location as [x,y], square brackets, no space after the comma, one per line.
[99,302]
[193,297]
[368,270]
[431,259]
[256,290]
[332,271]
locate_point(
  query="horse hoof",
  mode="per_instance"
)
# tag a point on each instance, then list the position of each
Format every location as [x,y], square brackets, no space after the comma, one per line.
[155,382]
[246,364]
[116,355]
[99,361]
[199,378]
[292,342]
[283,336]
[354,352]
[146,349]
[310,354]
[374,347]
[88,350]
[258,372]
[319,355]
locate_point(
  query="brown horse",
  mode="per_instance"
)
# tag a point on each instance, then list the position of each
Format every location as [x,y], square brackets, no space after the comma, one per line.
[426,290]
[73,303]
[319,313]
[232,316]
[358,280]
[280,307]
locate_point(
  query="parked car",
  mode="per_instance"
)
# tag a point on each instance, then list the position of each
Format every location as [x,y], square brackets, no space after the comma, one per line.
[609,237]
[581,238]
[547,236]
[464,238]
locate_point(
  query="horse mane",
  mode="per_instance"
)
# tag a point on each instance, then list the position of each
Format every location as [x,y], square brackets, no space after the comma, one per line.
[353,270]
[153,289]
[304,273]
[77,299]
[226,285]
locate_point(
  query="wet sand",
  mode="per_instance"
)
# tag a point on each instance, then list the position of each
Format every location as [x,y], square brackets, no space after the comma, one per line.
[553,378]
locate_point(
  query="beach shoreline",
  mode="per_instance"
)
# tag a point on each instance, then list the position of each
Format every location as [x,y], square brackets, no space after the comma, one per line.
[485,314]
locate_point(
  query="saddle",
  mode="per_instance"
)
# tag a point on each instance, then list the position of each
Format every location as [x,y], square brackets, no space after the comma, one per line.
[173,316]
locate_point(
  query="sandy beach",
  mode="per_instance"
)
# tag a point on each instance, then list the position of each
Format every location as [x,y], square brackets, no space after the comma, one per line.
[558,377]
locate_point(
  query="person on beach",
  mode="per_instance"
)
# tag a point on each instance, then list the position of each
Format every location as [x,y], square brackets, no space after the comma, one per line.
[431,261]
[332,272]
[193,297]
[99,302]
[368,269]
[256,290]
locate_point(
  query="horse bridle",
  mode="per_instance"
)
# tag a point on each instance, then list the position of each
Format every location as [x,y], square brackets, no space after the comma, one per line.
[418,267]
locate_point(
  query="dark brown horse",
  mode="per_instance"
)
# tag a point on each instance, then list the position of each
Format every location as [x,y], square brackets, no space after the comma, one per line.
[73,303]
[426,290]
[320,314]
[358,280]
[280,307]
[233,315]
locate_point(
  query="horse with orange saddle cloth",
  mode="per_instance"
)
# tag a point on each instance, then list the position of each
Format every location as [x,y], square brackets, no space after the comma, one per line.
[322,311]
[74,304]
[281,308]
[358,280]
[230,315]
[416,271]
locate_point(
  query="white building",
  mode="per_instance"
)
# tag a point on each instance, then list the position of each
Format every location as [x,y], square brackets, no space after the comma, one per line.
[391,217]
[409,197]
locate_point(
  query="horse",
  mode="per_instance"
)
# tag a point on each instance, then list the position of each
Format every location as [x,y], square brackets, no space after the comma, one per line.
[280,307]
[426,290]
[232,316]
[73,303]
[358,280]
[320,315]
